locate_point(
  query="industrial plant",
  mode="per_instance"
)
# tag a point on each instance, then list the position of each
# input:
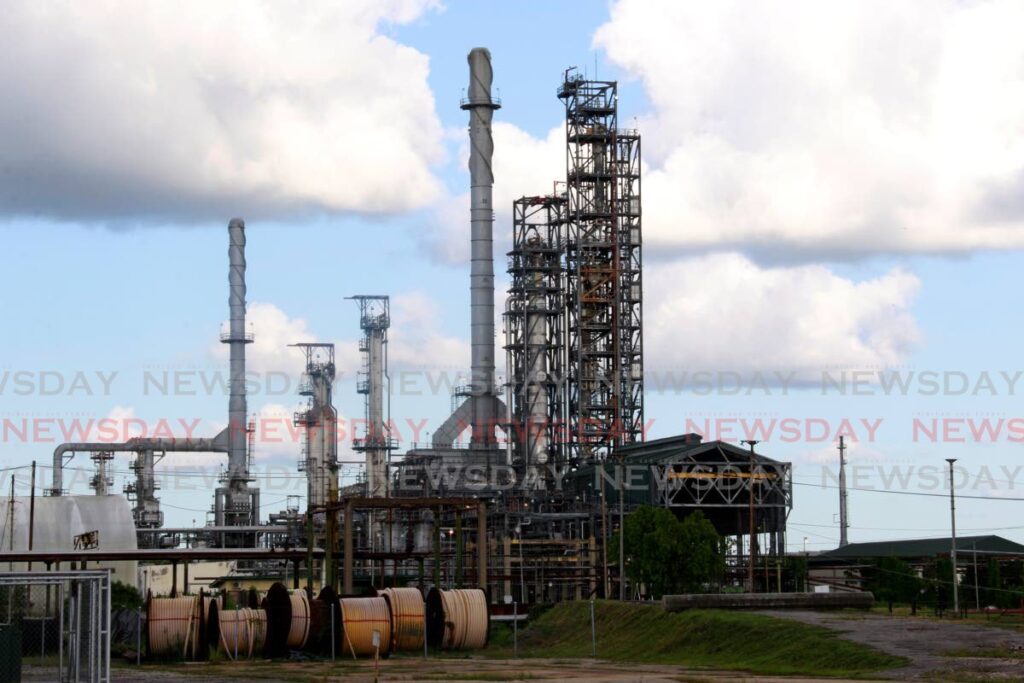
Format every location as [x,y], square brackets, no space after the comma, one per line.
[522,489]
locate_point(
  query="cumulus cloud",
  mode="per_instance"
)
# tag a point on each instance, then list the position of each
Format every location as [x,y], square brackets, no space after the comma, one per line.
[725,312]
[523,165]
[168,111]
[416,341]
[812,128]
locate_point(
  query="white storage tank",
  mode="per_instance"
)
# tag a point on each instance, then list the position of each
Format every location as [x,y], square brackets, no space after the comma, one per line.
[58,519]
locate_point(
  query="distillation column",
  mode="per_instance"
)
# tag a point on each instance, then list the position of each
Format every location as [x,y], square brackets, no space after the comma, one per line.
[534,329]
[374,320]
[320,424]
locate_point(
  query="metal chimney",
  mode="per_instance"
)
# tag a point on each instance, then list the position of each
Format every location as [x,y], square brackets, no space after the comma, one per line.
[238,497]
[481,278]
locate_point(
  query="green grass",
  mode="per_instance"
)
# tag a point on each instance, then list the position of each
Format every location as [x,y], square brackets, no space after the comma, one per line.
[698,638]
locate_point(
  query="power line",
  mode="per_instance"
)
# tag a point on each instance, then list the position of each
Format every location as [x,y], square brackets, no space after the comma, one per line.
[912,493]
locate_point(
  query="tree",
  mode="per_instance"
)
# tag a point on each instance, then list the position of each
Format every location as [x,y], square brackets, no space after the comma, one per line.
[894,581]
[671,556]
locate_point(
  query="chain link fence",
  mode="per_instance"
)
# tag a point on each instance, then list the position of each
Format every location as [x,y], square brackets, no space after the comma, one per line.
[55,626]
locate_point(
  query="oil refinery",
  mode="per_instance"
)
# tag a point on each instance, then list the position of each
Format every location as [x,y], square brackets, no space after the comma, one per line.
[527,505]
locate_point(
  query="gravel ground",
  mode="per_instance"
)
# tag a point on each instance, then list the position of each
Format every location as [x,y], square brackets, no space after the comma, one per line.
[927,643]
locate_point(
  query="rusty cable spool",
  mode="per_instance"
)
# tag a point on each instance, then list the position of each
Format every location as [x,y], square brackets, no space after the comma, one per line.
[458,619]
[407,618]
[360,617]
[288,620]
[320,610]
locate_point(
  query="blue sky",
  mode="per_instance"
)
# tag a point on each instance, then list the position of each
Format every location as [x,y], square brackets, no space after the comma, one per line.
[783,251]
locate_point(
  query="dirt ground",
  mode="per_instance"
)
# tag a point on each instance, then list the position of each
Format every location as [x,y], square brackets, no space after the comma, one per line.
[411,669]
[928,644]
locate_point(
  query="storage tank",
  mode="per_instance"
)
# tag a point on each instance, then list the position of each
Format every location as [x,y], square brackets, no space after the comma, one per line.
[58,519]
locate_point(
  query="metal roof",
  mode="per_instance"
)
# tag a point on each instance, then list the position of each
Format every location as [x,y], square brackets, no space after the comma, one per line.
[925,547]
[689,446]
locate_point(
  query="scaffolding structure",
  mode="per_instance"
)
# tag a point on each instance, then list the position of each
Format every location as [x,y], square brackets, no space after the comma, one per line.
[603,272]
[535,334]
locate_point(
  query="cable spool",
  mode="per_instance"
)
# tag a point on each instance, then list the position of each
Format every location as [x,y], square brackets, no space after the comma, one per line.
[173,627]
[360,617]
[288,620]
[319,638]
[242,631]
[458,619]
[407,611]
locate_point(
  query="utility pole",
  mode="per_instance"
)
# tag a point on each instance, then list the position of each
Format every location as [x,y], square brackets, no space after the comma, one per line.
[952,519]
[752,554]
[844,522]
[32,512]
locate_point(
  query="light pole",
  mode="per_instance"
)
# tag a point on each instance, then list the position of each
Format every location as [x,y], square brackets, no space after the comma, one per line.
[752,555]
[952,520]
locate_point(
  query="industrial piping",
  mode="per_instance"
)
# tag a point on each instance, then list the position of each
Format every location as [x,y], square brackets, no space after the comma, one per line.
[218,444]
[241,506]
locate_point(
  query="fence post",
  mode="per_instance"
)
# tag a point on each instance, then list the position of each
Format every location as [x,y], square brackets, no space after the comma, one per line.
[138,638]
[593,631]
[515,629]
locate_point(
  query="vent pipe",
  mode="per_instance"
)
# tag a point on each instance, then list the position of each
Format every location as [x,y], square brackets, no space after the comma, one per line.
[481,110]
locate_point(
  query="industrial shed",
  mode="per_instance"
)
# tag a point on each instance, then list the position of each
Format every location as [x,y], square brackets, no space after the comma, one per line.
[686,474]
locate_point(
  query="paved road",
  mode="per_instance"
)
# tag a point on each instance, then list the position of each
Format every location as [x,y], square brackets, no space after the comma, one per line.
[926,643]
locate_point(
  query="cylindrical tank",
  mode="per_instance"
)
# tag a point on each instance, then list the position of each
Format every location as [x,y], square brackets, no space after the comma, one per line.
[407,618]
[239,633]
[288,615]
[173,627]
[458,619]
[360,617]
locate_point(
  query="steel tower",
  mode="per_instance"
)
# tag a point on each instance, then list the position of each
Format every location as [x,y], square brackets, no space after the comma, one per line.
[603,271]
[534,329]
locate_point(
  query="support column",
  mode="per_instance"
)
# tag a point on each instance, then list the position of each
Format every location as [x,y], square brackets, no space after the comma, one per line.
[347,572]
[482,544]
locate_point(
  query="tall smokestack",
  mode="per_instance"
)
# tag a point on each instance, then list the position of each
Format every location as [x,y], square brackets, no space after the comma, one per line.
[481,277]
[238,466]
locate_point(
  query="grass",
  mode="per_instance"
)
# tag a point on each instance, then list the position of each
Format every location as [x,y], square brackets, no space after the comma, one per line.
[698,638]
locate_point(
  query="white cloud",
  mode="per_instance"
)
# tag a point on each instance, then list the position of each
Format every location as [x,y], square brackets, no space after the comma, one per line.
[724,312]
[271,352]
[523,165]
[173,110]
[416,341]
[810,128]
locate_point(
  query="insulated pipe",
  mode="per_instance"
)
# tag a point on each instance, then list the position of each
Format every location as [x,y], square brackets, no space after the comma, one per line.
[217,444]
[481,110]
